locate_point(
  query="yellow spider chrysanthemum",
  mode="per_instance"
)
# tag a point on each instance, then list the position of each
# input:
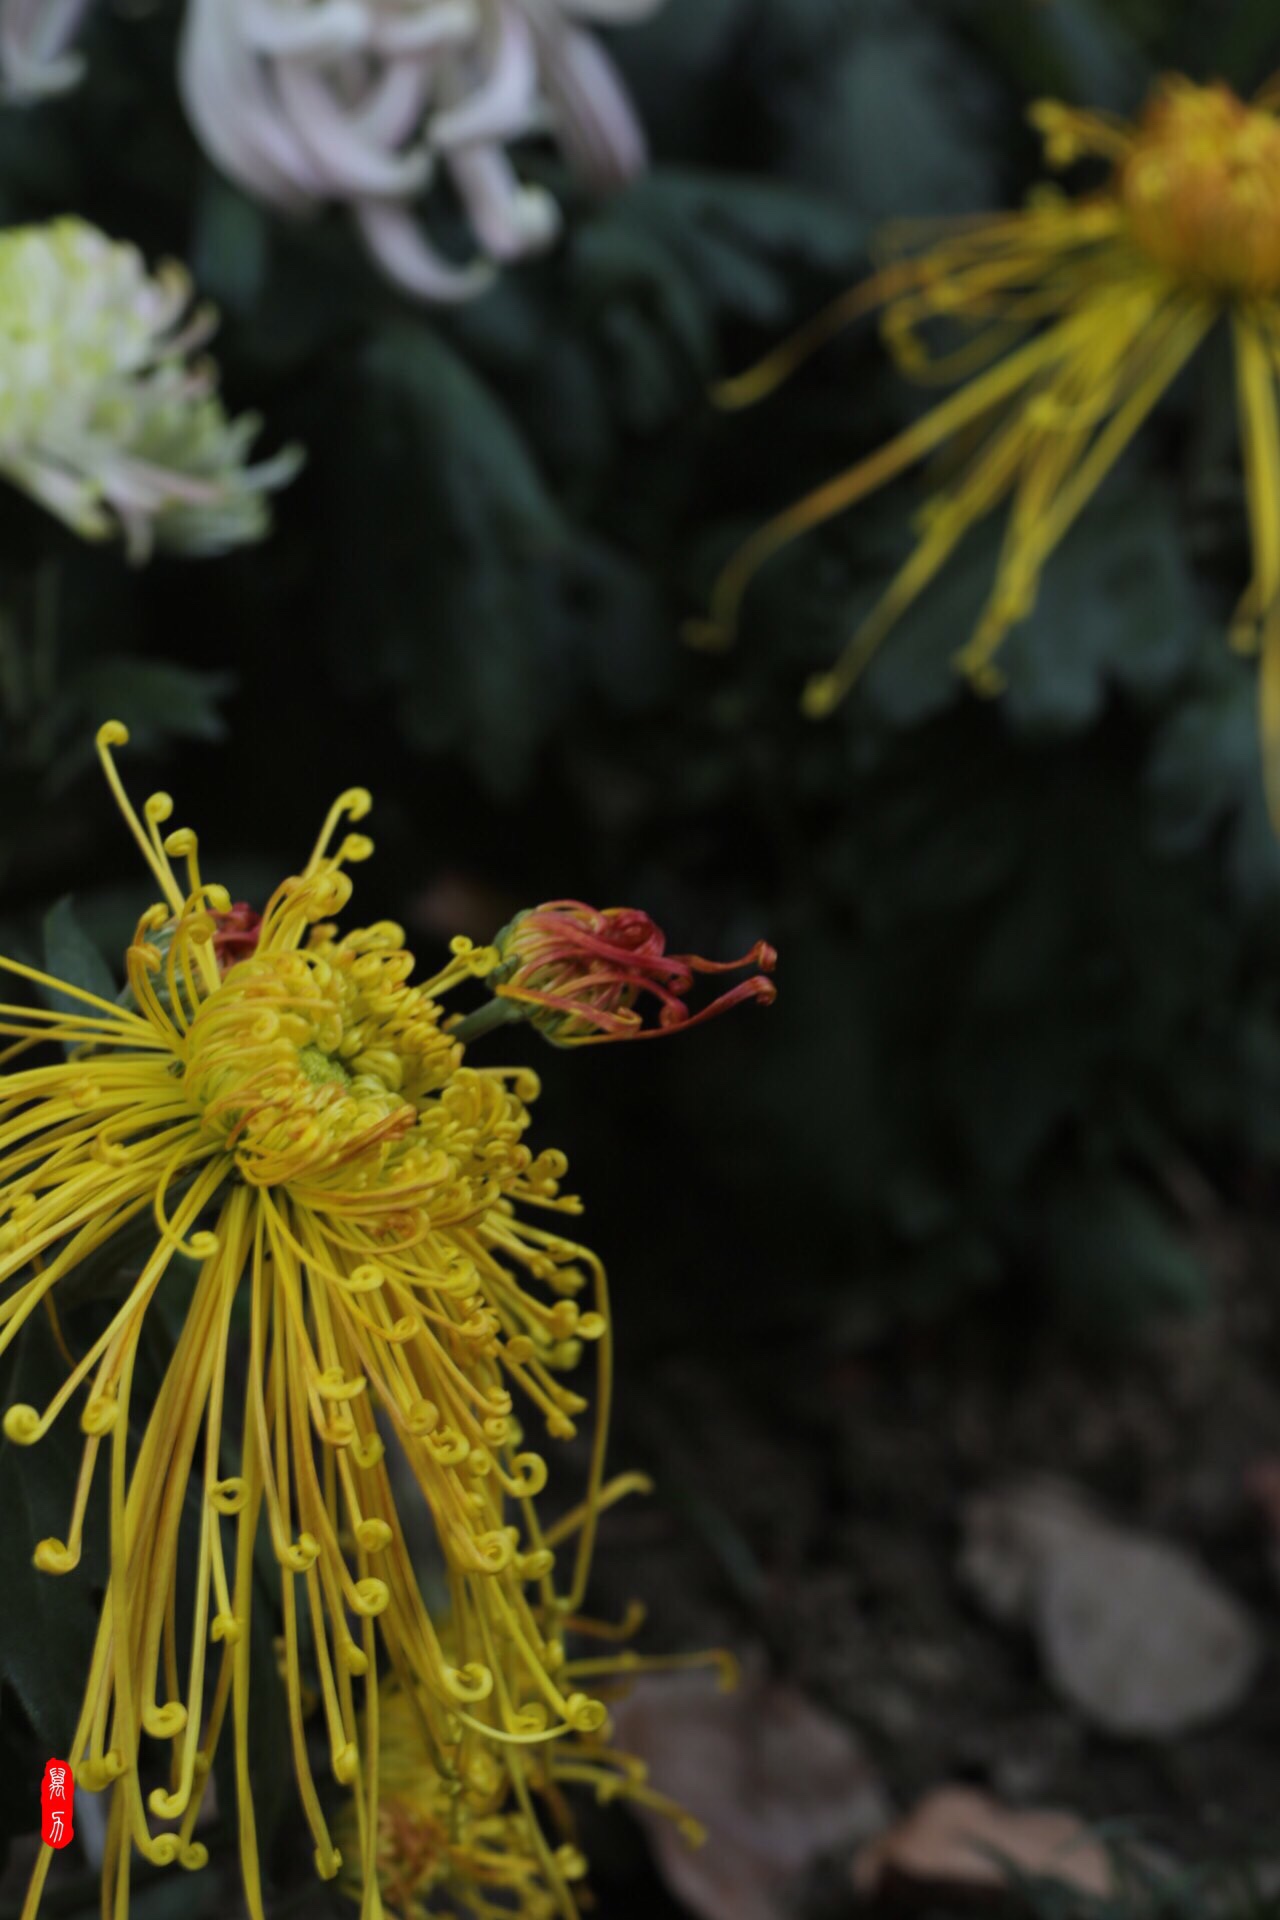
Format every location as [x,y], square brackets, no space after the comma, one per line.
[1079,315]
[302,1127]
[499,1840]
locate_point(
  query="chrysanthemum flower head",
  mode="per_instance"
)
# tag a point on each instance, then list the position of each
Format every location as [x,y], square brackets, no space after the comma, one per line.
[1075,317]
[105,417]
[577,972]
[363,103]
[1200,184]
[294,1117]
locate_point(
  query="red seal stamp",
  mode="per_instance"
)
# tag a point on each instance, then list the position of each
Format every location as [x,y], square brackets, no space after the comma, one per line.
[57,1801]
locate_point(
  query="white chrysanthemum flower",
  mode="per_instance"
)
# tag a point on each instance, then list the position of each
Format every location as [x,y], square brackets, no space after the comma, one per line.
[104,417]
[35,38]
[365,102]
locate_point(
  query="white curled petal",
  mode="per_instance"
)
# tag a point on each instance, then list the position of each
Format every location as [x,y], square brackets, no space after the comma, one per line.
[67,495]
[595,122]
[351,165]
[504,104]
[236,114]
[146,488]
[452,23]
[34,38]
[394,105]
[510,220]
[397,243]
[286,32]
[611,13]
[26,80]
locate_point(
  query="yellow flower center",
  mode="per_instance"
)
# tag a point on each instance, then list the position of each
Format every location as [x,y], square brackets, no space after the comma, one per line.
[1201,189]
[303,1063]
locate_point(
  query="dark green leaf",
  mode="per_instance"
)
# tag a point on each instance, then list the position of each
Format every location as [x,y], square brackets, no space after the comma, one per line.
[47,1622]
[70,955]
[157,699]
[1112,1255]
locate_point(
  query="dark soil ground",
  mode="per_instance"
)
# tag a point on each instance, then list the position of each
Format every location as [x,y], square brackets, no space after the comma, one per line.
[809,1505]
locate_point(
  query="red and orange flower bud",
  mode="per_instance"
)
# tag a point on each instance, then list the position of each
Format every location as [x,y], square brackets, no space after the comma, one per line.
[578,973]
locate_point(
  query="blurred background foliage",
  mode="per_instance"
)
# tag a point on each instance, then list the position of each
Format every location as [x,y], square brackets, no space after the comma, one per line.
[1029,949]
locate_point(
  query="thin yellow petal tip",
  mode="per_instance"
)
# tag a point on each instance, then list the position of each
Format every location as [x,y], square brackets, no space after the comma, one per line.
[22,1425]
[739,392]
[821,697]
[984,679]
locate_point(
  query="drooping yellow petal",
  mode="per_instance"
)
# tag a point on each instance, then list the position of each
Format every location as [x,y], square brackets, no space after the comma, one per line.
[1260,440]
[834,497]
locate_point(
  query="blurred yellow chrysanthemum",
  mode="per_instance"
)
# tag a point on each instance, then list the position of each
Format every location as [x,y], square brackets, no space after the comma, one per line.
[303,1129]
[105,419]
[1076,317]
[499,1841]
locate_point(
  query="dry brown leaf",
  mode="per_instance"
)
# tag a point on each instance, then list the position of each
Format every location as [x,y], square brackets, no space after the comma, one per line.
[1133,1632]
[774,1780]
[958,1841]
[1262,1485]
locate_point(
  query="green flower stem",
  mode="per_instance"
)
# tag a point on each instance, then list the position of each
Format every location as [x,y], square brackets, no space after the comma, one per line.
[498,1013]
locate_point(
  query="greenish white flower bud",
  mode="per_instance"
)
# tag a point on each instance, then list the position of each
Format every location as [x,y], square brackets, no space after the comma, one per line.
[105,417]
